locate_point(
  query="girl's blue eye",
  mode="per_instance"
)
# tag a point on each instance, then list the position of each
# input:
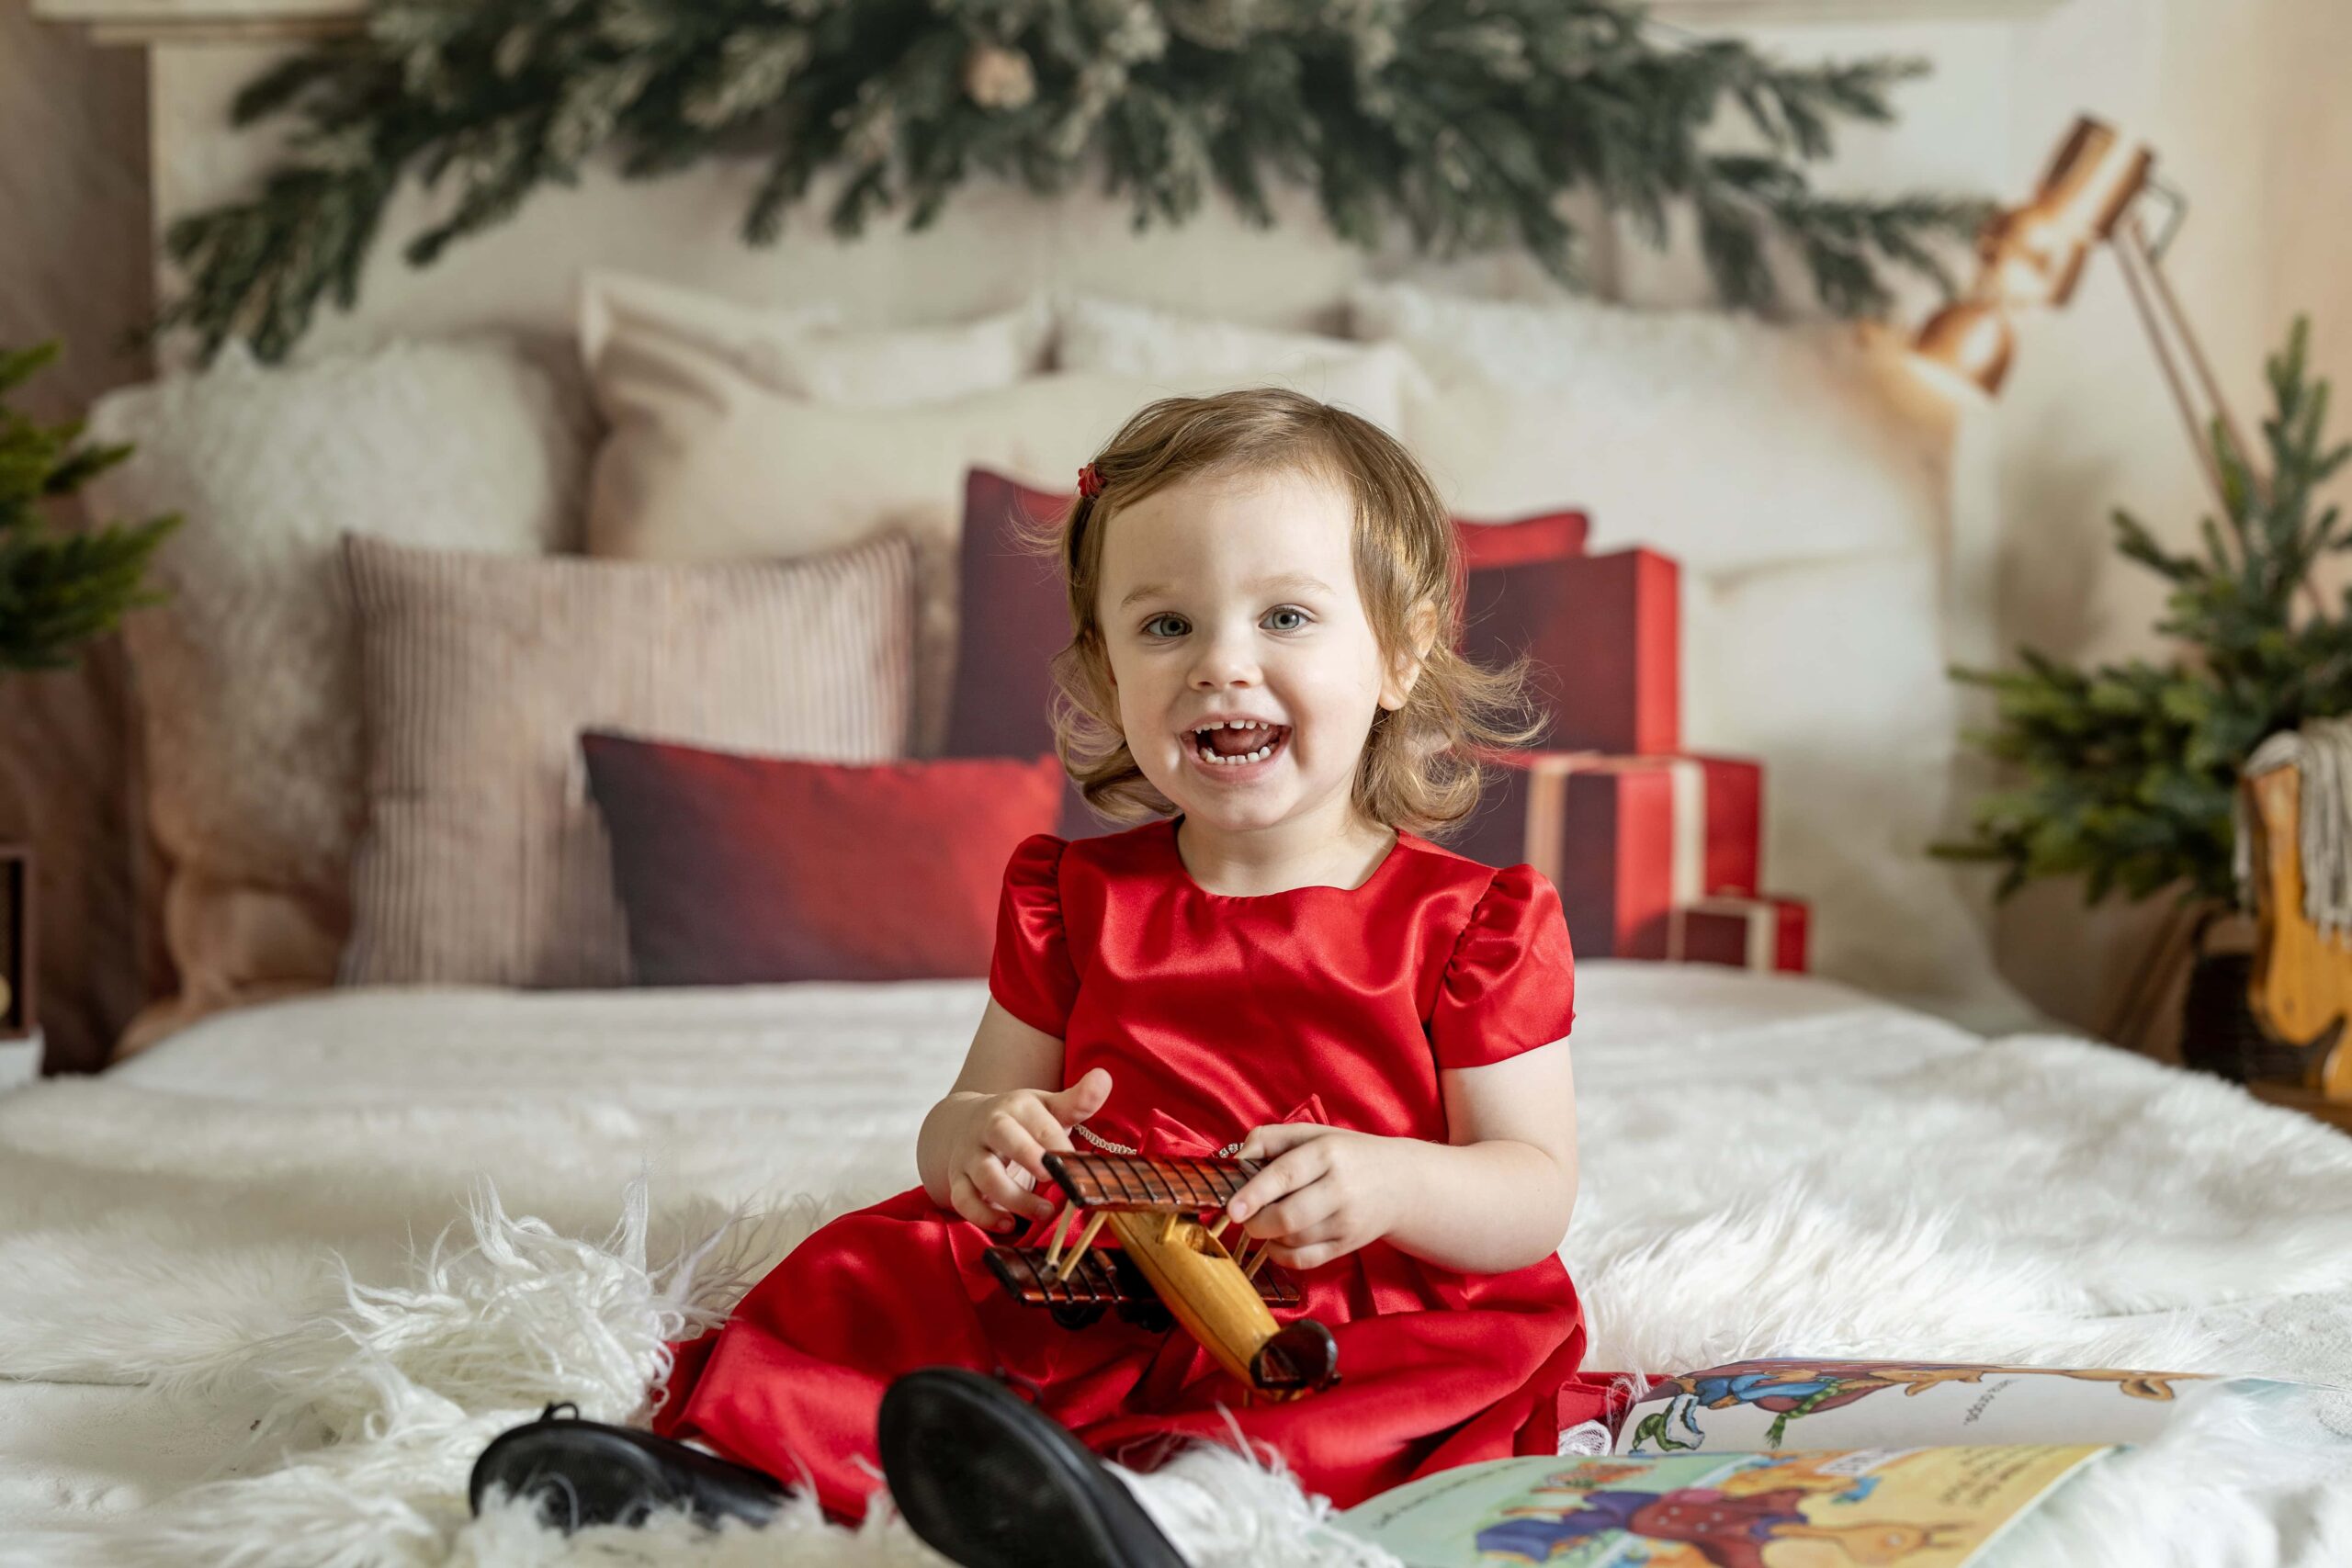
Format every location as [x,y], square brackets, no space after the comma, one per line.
[1169,624]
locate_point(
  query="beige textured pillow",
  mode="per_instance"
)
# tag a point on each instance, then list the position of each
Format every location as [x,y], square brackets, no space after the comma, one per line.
[248,673]
[704,462]
[804,351]
[1728,442]
[1123,339]
[483,861]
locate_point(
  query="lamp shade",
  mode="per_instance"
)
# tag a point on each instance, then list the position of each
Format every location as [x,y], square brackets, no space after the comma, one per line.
[2090,181]
[2029,259]
[1968,341]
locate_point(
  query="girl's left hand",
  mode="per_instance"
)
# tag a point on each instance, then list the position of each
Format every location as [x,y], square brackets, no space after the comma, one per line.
[1325,1191]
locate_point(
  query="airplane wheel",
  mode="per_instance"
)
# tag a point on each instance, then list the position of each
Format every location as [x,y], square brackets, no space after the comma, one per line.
[1076,1316]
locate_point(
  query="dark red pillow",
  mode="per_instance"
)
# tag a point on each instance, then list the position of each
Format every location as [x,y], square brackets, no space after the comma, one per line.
[1012,616]
[738,870]
[1555,536]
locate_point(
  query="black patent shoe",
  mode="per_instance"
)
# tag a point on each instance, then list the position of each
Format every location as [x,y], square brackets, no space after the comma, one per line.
[987,1481]
[587,1472]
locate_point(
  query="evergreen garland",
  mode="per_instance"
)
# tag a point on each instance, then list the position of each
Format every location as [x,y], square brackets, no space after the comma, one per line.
[58,590]
[1469,119]
[2131,769]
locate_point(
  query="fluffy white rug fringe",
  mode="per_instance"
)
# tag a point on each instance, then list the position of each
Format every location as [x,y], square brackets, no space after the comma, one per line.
[378,1410]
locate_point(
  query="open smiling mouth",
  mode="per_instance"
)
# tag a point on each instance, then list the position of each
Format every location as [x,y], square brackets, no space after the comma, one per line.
[1238,745]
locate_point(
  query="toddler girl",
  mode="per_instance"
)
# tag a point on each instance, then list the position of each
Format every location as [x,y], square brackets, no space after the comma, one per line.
[1273,964]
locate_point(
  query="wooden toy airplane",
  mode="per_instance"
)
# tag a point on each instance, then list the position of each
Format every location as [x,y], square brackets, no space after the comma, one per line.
[1169,1264]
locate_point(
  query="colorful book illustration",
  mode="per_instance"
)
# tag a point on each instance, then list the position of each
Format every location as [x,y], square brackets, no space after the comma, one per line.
[1766,1407]
[1792,1463]
[1883,1507]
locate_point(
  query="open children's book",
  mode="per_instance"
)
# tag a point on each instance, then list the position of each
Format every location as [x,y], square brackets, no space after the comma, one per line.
[1761,1464]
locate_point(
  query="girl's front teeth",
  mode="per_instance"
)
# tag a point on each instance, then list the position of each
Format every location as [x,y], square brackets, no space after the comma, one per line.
[1209,753]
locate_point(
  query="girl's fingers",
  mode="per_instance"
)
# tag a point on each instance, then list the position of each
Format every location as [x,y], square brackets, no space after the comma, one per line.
[1082,1098]
[997,1186]
[1278,1138]
[1323,1230]
[1301,1259]
[1038,1121]
[966,1199]
[1284,1176]
[1005,1137]
[1027,1157]
[1294,1217]
[970,1191]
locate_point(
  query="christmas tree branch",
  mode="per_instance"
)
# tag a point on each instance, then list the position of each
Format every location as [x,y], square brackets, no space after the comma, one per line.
[58,589]
[2129,771]
[1468,121]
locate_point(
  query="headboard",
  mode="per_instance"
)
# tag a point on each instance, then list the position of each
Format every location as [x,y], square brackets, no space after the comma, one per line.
[991,245]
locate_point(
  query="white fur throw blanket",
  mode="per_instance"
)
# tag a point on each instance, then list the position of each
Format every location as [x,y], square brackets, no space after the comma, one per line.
[384,1286]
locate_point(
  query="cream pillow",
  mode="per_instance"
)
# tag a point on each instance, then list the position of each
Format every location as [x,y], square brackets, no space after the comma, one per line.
[703,462]
[248,673]
[803,350]
[1121,339]
[1727,443]
[484,862]
[1833,673]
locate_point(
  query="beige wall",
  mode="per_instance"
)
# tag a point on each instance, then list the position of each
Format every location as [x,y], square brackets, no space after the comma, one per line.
[73,264]
[2243,101]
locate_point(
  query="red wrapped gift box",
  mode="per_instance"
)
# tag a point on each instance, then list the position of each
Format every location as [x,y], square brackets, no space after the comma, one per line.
[1625,840]
[1603,635]
[1747,934]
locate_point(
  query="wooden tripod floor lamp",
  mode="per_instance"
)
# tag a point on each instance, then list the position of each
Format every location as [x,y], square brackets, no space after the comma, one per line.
[2032,256]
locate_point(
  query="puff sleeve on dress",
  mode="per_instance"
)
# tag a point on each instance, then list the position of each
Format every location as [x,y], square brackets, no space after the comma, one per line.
[1030,973]
[1510,984]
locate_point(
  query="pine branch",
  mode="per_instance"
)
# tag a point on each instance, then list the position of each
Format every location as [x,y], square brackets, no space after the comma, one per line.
[1467,122]
[2129,771]
[58,589]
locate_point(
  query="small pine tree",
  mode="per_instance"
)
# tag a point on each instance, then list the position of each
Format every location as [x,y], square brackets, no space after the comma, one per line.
[58,589]
[2131,769]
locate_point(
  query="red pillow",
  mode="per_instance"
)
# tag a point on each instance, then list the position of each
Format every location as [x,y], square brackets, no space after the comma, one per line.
[737,870]
[1013,615]
[1555,536]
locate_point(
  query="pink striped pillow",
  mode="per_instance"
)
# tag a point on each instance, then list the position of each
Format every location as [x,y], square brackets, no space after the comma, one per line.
[483,861]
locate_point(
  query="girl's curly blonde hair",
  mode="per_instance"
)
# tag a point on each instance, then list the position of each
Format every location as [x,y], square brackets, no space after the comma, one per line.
[1420,769]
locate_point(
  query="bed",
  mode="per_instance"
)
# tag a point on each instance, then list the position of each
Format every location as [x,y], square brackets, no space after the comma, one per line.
[1773,1165]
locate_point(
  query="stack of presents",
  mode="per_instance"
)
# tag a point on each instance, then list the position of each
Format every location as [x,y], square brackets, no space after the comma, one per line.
[1657,852]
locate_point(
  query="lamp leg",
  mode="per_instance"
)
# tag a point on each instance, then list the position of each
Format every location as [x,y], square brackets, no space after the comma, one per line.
[2138,241]
[2133,255]
[2131,252]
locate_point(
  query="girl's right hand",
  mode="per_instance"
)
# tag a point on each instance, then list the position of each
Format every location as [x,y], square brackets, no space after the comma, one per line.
[997,1157]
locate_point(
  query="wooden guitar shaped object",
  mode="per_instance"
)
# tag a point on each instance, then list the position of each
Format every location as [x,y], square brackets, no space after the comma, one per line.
[2301,989]
[1169,1261]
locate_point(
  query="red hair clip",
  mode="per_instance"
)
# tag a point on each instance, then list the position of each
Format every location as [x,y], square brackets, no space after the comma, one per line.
[1090,482]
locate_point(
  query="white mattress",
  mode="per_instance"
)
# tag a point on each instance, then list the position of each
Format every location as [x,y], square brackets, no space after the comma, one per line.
[1771,1165]
[864,1049]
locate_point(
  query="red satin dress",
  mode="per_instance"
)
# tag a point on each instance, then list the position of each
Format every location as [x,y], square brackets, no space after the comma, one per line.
[1214,1014]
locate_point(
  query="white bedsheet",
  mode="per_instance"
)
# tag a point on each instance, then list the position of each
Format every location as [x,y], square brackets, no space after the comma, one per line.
[1771,1165]
[863,1050]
